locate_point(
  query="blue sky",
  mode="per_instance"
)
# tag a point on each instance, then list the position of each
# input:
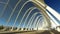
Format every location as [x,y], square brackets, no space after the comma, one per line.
[55,4]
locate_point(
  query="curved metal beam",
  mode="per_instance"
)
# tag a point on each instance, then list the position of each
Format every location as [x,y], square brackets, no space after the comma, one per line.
[41,6]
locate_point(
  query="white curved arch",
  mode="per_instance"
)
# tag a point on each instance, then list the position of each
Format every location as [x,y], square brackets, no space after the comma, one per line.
[3,3]
[39,25]
[20,11]
[4,8]
[43,8]
[35,22]
[40,20]
[32,17]
[26,17]
[13,11]
[38,1]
